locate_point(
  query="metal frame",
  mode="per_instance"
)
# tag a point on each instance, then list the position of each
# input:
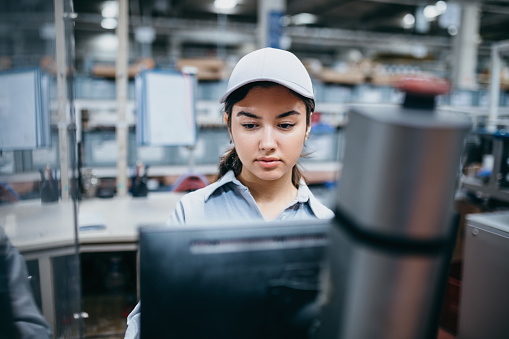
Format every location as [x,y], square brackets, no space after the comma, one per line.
[496,51]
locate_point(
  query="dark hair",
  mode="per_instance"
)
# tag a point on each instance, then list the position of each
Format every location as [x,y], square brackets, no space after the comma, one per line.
[230,160]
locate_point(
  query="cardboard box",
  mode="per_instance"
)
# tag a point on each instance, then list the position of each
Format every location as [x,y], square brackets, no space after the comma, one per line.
[350,77]
[206,68]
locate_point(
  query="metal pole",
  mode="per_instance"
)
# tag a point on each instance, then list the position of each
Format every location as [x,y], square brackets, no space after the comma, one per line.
[121,82]
[62,98]
[494,88]
[495,83]
[265,7]
[467,45]
[74,279]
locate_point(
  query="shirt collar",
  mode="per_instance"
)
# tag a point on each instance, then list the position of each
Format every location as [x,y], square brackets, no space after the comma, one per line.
[303,193]
[229,177]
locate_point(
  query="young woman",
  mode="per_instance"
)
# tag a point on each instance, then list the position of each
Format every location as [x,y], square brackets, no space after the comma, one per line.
[267,108]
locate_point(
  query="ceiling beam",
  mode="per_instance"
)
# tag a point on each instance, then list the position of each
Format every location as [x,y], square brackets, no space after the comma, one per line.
[496,9]
[314,7]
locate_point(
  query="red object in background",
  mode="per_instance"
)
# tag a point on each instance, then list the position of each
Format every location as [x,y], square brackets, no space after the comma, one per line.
[190,182]
[421,90]
[315,118]
[450,309]
[423,84]
[65,319]
[127,310]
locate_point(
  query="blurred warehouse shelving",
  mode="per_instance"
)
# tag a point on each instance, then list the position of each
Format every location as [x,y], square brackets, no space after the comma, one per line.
[96,110]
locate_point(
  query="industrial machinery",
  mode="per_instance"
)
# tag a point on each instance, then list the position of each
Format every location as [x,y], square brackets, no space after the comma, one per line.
[392,239]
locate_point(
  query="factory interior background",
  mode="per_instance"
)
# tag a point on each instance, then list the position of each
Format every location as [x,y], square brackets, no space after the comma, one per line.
[70,167]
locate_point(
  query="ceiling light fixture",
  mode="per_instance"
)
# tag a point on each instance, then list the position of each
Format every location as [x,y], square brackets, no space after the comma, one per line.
[304,19]
[105,42]
[408,21]
[144,34]
[109,23]
[225,4]
[285,20]
[430,12]
[110,9]
[441,7]
[452,30]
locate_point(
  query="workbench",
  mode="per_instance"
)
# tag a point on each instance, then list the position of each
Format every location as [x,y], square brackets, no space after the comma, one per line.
[45,235]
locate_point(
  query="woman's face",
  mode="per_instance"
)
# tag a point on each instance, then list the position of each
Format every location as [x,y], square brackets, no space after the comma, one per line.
[269,129]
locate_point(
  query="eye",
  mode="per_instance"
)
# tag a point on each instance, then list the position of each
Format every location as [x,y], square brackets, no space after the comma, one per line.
[249,126]
[286,126]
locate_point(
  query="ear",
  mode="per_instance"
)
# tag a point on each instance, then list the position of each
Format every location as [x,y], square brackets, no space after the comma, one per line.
[308,128]
[228,127]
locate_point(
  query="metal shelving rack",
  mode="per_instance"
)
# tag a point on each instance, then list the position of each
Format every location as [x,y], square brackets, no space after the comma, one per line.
[498,130]
[492,188]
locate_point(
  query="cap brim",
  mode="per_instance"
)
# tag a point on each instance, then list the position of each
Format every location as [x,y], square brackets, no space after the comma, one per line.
[290,85]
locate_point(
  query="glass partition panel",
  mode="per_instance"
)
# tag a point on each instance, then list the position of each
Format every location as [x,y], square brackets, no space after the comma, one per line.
[39,262]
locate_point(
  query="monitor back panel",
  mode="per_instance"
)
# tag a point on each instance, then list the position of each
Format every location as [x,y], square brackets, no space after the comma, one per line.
[249,281]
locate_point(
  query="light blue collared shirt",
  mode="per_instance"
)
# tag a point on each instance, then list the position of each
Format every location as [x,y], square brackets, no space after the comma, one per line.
[229,200]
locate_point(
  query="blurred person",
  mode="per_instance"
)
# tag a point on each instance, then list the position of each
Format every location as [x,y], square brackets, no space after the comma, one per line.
[19,315]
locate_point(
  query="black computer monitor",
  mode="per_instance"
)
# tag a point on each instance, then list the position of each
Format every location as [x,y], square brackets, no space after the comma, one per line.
[236,281]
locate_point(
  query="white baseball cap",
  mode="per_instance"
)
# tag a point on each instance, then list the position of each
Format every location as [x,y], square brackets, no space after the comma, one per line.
[270,64]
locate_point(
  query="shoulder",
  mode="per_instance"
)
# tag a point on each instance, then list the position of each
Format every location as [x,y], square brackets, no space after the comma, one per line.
[201,195]
[191,207]
[318,209]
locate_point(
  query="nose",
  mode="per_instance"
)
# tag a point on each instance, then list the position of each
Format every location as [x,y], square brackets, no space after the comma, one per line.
[268,140]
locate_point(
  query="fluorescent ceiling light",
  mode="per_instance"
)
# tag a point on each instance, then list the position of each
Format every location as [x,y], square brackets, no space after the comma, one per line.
[304,19]
[452,30]
[408,21]
[441,7]
[225,4]
[285,20]
[106,43]
[110,9]
[47,31]
[109,23]
[144,34]
[430,12]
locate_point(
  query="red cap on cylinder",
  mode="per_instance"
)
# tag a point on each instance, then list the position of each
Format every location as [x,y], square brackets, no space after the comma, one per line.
[423,84]
[421,90]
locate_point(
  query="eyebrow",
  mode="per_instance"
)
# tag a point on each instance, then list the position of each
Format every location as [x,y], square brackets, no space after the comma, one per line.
[254,116]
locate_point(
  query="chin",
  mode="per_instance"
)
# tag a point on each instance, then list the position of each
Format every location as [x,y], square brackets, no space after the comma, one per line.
[270,175]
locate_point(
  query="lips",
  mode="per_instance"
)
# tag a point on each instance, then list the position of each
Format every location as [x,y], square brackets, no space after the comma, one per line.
[266,162]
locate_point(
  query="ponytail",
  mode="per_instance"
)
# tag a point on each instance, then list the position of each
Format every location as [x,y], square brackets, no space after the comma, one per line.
[296,175]
[230,160]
